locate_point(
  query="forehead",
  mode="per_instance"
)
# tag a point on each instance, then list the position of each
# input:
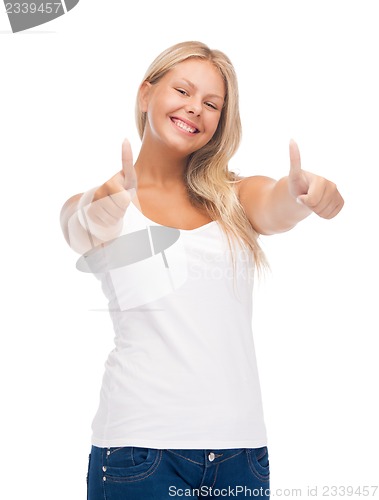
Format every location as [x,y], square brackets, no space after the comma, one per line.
[202,74]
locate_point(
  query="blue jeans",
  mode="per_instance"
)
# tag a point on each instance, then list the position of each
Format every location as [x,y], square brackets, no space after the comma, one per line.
[134,473]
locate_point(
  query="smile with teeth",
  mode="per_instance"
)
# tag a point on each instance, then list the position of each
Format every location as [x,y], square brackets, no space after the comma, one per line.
[184,126]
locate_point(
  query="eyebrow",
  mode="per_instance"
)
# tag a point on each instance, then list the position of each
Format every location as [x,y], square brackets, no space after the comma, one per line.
[193,86]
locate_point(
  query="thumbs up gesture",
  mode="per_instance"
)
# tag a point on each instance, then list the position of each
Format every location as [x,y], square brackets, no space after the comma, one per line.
[317,193]
[104,214]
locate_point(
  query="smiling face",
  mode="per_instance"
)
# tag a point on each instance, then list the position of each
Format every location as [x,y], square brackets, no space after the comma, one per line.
[183,108]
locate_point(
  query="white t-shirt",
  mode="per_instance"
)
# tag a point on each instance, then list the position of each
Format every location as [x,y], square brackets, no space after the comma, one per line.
[183,372]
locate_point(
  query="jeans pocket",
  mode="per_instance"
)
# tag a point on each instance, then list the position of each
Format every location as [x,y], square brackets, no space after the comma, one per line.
[258,459]
[130,463]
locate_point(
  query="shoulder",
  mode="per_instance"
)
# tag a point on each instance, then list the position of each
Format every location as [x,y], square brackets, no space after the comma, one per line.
[252,185]
[253,194]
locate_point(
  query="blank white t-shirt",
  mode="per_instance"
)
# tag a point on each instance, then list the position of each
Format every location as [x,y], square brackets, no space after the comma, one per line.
[183,372]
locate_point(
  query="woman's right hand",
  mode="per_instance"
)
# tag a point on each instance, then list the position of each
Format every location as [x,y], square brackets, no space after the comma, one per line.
[111,199]
[91,218]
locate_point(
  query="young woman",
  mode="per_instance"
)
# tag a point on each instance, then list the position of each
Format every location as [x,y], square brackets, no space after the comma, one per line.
[174,241]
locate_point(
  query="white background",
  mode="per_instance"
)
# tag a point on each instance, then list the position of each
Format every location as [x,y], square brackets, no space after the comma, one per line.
[307,70]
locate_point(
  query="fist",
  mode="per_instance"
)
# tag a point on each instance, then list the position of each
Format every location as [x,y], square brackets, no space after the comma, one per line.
[109,203]
[317,193]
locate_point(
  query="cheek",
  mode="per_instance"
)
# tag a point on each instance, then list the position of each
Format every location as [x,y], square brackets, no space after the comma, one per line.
[213,124]
[154,116]
[161,109]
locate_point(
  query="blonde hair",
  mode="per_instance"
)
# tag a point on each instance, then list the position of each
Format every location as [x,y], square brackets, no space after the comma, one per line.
[209,182]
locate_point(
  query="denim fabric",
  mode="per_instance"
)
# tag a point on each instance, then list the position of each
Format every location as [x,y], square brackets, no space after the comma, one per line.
[134,473]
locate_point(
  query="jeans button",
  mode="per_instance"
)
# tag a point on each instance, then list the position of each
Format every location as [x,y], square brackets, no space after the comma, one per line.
[211,457]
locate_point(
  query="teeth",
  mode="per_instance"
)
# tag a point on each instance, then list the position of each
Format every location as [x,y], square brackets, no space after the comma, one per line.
[184,126]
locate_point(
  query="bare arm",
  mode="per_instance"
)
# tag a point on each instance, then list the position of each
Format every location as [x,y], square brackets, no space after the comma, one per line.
[277,206]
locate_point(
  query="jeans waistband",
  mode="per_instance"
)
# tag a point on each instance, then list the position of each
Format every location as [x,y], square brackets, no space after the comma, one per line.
[201,457]
[207,457]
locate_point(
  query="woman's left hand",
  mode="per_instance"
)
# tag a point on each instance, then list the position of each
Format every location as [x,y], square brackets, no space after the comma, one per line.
[317,193]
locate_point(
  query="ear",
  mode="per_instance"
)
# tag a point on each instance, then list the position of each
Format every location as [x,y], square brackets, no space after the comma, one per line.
[143,96]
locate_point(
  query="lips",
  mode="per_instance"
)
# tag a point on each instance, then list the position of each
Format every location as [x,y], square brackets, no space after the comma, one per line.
[185,125]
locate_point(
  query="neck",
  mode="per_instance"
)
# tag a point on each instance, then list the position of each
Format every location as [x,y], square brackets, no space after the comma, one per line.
[159,166]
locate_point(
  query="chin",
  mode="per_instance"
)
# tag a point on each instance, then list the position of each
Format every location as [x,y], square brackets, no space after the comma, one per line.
[183,148]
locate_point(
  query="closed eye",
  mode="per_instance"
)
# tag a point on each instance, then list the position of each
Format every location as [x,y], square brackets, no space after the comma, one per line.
[181,91]
[211,105]
[208,104]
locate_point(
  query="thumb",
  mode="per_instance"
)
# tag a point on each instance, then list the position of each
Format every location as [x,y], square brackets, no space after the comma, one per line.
[297,180]
[128,167]
[295,160]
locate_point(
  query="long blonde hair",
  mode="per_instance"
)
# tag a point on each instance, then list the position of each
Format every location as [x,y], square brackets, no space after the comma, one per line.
[210,184]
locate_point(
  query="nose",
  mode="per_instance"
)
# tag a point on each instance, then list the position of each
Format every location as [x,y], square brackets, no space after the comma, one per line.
[193,107]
